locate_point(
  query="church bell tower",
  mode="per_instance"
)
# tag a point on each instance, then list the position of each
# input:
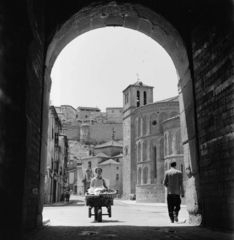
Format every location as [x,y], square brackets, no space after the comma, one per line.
[134,96]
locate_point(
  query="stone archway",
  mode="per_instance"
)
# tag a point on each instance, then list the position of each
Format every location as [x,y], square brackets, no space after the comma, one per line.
[146,21]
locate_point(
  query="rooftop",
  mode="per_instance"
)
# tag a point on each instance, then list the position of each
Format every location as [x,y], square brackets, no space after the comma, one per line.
[102,155]
[93,108]
[109,161]
[172,99]
[138,84]
[111,143]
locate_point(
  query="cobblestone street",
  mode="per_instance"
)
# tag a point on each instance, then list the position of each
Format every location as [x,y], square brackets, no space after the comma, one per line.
[129,221]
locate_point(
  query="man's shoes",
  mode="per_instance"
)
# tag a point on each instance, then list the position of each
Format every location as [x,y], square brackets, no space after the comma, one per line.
[172,221]
[175,218]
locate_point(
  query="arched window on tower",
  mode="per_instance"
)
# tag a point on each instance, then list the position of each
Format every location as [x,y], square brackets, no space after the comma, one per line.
[162,149]
[179,146]
[145,150]
[145,175]
[139,176]
[145,98]
[138,98]
[170,139]
[144,125]
[139,152]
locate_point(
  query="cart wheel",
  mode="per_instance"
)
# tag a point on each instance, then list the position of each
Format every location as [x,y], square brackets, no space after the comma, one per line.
[90,212]
[109,211]
[99,214]
[95,213]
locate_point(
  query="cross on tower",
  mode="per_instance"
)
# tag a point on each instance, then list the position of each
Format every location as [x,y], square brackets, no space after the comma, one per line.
[138,79]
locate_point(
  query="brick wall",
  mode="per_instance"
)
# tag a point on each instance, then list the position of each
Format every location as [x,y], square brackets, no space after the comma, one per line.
[213,53]
[21,66]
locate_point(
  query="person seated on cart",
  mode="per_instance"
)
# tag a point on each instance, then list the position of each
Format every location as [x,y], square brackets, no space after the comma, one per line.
[98,181]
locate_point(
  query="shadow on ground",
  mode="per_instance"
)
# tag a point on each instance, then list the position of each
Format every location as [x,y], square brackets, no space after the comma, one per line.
[73,203]
[126,232]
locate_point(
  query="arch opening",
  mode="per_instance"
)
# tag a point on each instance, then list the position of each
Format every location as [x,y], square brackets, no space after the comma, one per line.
[158,28]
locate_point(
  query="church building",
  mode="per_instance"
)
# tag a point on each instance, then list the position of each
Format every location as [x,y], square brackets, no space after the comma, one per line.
[151,139]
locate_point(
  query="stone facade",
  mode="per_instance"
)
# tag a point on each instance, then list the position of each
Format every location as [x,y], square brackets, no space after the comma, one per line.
[56,178]
[114,115]
[154,136]
[66,113]
[97,133]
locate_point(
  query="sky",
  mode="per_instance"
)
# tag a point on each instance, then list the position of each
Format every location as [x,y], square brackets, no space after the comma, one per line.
[95,68]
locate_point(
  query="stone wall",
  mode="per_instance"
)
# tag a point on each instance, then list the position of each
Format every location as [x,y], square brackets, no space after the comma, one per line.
[150,193]
[213,53]
[103,132]
[126,158]
[21,138]
[72,130]
[99,133]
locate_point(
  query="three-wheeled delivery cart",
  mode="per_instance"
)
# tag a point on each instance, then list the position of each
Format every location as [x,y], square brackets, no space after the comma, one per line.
[97,202]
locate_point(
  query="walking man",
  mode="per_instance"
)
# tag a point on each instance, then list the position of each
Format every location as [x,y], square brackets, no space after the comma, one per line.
[173,180]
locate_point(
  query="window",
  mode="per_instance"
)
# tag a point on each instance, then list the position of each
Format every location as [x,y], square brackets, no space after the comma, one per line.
[117,167]
[117,176]
[170,143]
[138,99]
[117,160]
[162,148]
[144,125]
[145,98]
[89,164]
[120,111]
[112,111]
[162,117]
[145,150]
[139,152]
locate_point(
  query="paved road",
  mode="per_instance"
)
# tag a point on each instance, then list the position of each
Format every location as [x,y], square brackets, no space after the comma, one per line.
[123,213]
[129,221]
